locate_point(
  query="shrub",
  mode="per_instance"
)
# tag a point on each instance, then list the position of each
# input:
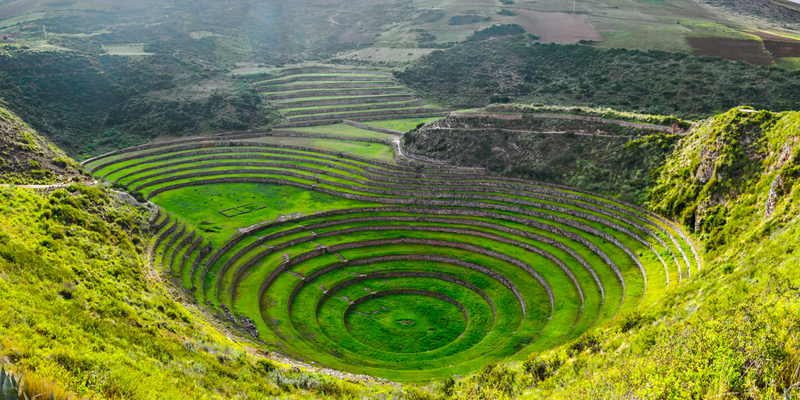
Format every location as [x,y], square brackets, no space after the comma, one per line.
[467,19]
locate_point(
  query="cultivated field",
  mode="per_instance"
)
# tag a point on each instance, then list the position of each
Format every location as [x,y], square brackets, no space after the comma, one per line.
[391,268]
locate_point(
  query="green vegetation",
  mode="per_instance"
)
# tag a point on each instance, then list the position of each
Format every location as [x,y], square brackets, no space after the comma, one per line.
[373,259]
[203,266]
[467,19]
[746,303]
[81,311]
[496,31]
[580,75]
[342,130]
[89,104]
[28,158]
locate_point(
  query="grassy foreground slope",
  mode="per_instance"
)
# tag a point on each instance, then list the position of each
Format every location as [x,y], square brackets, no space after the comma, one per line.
[81,309]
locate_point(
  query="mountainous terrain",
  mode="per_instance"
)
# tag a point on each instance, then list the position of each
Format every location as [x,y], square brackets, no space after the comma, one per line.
[399,199]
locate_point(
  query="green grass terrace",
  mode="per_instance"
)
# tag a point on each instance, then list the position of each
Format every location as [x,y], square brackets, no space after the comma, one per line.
[406,272]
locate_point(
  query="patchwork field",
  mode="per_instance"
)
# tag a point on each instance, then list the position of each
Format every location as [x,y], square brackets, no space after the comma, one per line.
[320,96]
[391,268]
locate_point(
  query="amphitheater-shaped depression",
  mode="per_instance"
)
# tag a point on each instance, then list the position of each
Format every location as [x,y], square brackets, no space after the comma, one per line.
[402,272]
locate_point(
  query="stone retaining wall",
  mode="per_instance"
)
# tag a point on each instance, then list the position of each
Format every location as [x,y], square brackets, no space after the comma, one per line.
[563,192]
[272,88]
[380,242]
[388,113]
[297,71]
[189,251]
[318,93]
[455,198]
[259,147]
[360,100]
[308,123]
[323,136]
[160,238]
[171,243]
[258,257]
[205,139]
[446,211]
[426,115]
[377,106]
[183,243]
[461,203]
[155,217]
[205,251]
[278,81]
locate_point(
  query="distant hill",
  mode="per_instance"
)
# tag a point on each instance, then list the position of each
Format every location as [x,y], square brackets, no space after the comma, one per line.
[474,74]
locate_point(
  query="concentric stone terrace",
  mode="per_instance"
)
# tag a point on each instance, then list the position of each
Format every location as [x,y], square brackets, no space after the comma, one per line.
[402,272]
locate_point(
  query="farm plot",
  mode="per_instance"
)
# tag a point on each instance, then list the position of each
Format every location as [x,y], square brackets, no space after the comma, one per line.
[402,272]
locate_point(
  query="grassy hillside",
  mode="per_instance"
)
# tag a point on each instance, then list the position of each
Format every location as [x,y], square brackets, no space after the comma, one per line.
[518,69]
[29,158]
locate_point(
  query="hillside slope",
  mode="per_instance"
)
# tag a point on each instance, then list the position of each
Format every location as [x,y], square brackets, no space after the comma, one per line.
[516,69]
[29,158]
[601,157]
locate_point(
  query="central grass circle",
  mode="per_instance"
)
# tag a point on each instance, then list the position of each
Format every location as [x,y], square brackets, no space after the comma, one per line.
[406,323]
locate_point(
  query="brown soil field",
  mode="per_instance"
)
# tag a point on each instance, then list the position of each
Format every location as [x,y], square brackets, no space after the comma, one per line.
[751,51]
[783,49]
[555,27]
[769,36]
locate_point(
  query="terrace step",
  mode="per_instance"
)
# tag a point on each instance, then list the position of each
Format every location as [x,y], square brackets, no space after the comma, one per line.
[520,238]
[298,71]
[336,92]
[384,114]
[353,100]
[313,78]
[352,85]
[358,108]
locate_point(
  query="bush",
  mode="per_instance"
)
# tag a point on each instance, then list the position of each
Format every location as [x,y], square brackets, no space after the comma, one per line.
[467,19]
